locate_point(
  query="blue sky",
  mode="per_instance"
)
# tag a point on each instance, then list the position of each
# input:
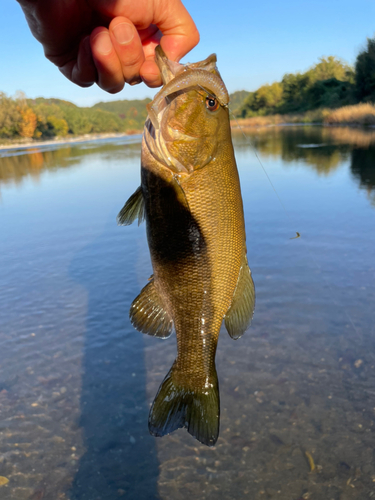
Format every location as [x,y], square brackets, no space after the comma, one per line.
[256,43]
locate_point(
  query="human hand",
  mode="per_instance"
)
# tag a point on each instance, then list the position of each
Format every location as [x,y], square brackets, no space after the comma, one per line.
[110,42]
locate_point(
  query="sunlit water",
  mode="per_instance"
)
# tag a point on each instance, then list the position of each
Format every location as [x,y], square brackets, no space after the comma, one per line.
[76,380]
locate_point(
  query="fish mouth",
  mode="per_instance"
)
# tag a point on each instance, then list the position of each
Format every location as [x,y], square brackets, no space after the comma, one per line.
[170,69]
[178,78]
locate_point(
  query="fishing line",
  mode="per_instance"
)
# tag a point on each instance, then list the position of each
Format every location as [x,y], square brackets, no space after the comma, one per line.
[348,317]
[298,235]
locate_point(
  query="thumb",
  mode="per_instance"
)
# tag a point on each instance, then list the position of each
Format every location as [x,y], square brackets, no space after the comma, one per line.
[180,34]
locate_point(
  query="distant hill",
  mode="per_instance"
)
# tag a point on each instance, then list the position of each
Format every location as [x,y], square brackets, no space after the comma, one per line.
[46,118]
[50,101]
[237,99]
[133,112]
[43,118]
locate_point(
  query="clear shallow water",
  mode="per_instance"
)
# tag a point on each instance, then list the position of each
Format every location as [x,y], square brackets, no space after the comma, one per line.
[76,380]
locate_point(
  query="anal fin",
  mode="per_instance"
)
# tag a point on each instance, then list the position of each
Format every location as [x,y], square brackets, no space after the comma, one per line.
[148,313]
[241,310]
[133,208]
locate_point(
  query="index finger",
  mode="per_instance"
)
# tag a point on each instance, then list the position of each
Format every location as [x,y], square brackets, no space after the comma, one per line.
[176,27]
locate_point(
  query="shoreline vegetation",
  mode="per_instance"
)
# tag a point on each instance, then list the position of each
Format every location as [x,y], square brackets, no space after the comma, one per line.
[356,117]
[330,93]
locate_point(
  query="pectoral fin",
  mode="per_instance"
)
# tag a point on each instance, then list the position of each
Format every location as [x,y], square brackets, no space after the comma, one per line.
[148,313]
[241,311]
[133,208]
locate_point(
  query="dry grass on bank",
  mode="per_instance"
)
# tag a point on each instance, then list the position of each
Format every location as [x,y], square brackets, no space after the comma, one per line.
[359,114]
[316,116]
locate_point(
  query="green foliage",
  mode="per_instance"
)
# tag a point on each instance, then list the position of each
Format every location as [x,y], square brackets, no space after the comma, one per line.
[237,99]
[132,114]
[330,93]
[329,84]
[10,116]
[329,68]
[59,125]
[47,118]
[365,72]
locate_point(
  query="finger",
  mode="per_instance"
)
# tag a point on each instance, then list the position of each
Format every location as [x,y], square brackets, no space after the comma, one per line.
[84,72]
[128,47]
[180,34]
[149,71]
[108,66]
[150,74]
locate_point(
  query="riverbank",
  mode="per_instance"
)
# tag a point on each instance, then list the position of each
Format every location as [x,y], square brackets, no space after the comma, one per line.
[58,141]
[358,115]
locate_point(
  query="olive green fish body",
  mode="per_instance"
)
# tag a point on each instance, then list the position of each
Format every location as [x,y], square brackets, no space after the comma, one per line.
[190,197]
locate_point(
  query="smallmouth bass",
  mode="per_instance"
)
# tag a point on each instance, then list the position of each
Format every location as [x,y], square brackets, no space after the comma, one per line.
[191,200]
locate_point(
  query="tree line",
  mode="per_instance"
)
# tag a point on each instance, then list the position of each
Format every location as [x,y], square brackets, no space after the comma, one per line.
[46,118]
[331,83]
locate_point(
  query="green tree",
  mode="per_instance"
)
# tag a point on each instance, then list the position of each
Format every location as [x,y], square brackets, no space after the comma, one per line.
[294,87]
[269,96]
[263,101]
[331,67]
[59,125]
[365,72]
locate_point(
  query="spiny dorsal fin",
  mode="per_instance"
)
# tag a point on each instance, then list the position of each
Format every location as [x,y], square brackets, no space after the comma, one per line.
[133,208]
[240,313]
[148,313]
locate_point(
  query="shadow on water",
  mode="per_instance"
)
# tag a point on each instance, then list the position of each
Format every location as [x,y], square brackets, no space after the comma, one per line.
[363,167]
[363,170]
[120,458]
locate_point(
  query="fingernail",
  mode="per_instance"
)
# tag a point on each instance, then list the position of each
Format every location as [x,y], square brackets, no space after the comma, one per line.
[124,33]
[103,43]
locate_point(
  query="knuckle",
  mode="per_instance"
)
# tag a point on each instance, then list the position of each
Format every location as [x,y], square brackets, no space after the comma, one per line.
[132,61]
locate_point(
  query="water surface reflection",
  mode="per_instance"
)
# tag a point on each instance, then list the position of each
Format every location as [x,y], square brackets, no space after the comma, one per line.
[76,380]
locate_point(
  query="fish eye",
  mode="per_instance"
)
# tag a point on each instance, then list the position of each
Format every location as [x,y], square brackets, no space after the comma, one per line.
[212,104]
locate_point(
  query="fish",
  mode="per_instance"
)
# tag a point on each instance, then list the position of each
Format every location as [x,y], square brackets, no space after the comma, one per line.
[190,198]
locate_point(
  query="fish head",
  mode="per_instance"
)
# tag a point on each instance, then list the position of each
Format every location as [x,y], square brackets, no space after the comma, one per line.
[187,114]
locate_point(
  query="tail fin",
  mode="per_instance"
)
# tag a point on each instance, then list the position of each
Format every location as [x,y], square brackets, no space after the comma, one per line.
[177,405]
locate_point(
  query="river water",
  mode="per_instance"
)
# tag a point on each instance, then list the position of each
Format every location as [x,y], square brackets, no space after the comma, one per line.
[76,380]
